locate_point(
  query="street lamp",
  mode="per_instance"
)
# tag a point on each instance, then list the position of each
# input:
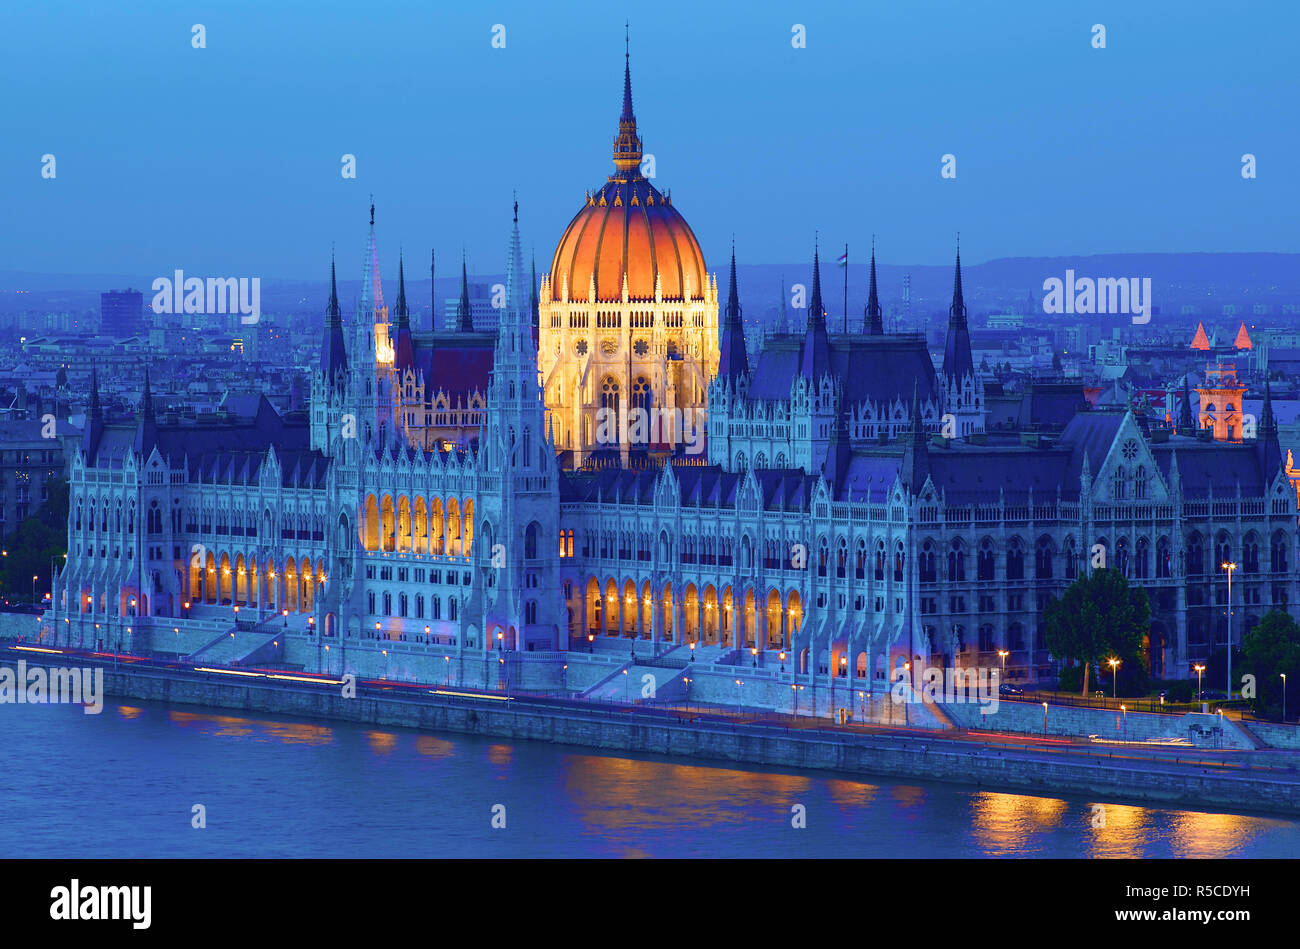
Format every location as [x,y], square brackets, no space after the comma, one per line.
[692,650]
[1199,669]
[1114,676]
[1229,566]
[1283,697]
[783,660]
[1125,711]
[1044,719]
[754,652]
[1002,654]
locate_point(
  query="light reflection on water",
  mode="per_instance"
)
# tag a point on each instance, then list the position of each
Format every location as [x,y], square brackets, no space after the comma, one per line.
[123,784]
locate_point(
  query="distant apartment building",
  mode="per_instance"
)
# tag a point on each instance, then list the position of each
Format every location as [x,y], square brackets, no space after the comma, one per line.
[29,464]
[483,314]
[121,312]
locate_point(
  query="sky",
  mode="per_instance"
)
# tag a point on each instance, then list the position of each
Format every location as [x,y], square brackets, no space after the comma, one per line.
[226,160]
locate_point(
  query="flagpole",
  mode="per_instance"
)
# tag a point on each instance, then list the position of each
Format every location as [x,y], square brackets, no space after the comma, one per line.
[846,289]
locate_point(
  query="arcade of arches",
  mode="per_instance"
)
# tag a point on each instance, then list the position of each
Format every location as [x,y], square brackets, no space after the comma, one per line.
[739,620]
[438,527]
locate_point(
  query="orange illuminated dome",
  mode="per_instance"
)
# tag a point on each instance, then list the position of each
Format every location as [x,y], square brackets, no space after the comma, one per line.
[628,229]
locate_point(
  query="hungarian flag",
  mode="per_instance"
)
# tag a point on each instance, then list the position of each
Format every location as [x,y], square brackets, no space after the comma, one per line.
[844,258]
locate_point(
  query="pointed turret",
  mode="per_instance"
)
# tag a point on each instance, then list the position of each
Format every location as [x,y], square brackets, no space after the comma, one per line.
[96,410]
[957,361]
[403,345]
[1266,440]
[146,433]
[916,449]
[534,304]
[816,359]
[733,362]
[1186,424]
[464,314]
[334,360]
[872,317]
[433,292]
[1200,340]
[146,399]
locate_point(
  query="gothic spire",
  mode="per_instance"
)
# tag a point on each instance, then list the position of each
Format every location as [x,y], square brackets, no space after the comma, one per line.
[874,320]
[403,344]
[464,315]
[816,360]
[333,357]
[1186,426]
[957,361]
[403,314]
[1266,440]
[627,144]
[734,361]
[433,291]
[534,304]
[146,399]
[96,410]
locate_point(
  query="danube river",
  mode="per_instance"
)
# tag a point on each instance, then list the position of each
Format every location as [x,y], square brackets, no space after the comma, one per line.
[125,784]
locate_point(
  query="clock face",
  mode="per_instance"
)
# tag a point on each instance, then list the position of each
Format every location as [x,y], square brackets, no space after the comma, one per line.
[1130,449]
[581,347]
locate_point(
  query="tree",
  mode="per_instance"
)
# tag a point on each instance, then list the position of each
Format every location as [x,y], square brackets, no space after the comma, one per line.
[1270,649]
[38,540]
[1098,617]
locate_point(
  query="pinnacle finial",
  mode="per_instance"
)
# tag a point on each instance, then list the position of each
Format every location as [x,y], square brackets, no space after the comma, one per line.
[372,210]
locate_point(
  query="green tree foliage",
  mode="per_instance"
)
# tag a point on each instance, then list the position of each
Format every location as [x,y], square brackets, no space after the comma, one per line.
[1270,649]
[37,541]
[1098,617]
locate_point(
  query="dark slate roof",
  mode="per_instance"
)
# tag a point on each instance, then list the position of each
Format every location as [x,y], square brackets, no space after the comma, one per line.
[871,368]
[456,363]
[1089,434]
[1207,467]
[225,450]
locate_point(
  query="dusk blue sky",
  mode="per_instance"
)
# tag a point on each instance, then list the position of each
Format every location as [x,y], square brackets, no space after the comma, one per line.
[226,160]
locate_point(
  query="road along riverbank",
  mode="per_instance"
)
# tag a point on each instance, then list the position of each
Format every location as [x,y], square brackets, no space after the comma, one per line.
[1123,774]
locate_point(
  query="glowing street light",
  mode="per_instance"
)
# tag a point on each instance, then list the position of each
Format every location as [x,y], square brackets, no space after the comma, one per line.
[1199,669]
[1114,676]
[1229,566]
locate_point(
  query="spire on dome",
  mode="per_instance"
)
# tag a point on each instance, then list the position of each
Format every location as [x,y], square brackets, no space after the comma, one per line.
[464,314]
[1200,340]
[733,361]
[875,323]
[627,144]
[1243,339]
[433,291]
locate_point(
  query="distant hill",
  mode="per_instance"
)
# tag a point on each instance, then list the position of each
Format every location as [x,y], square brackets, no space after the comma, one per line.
[1206,279]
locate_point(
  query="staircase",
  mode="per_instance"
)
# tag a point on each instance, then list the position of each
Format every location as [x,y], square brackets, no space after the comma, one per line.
[237,647]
